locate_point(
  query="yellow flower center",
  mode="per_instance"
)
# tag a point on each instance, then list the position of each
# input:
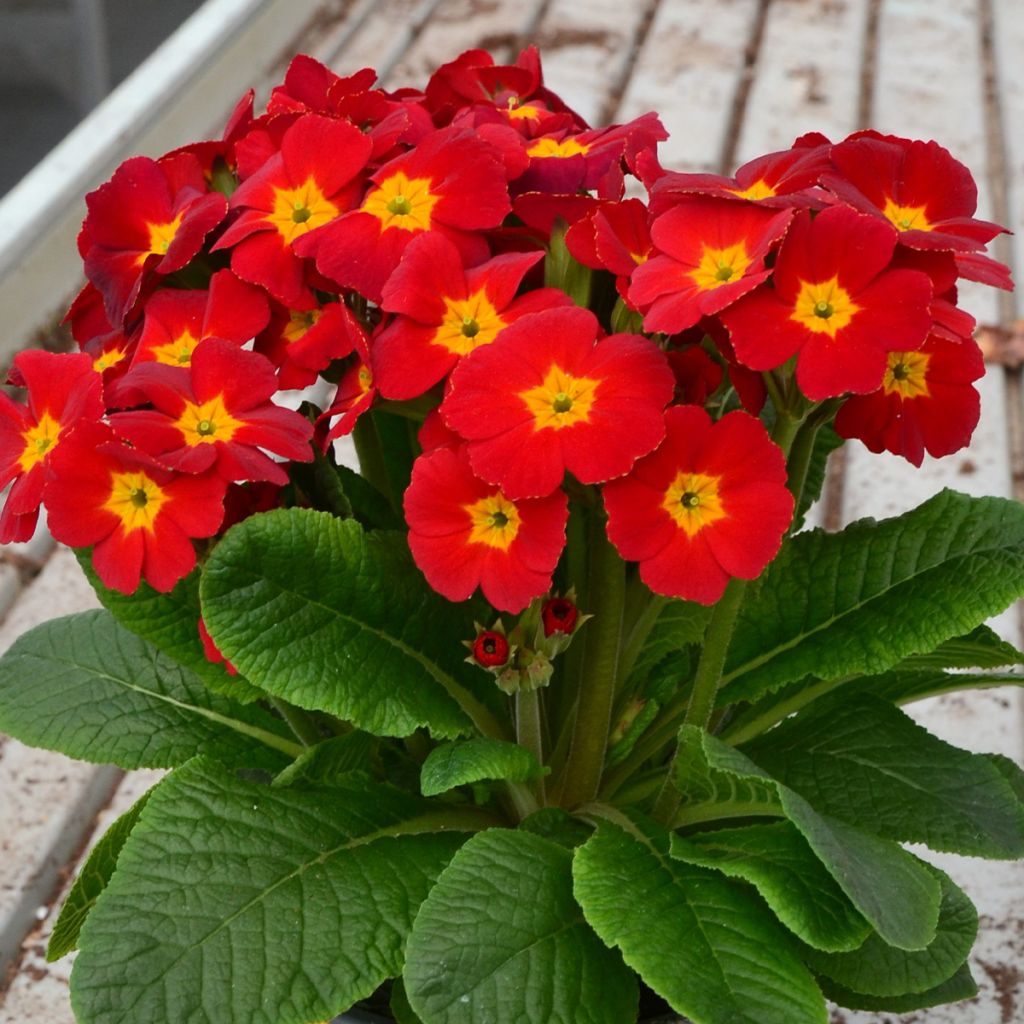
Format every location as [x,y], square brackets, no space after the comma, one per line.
[759,190]
[160,237]
[135,499]
[907,374]
[692,501]
[556,147]
[494,521]
[720,266]
[207,423]
[906,218]
[300,322]
[561,401]
[519,112]
[402,202]
[178,351]
[824,307]
[301,209]
[105,360]
[468,324]
[365,378]
[38,441]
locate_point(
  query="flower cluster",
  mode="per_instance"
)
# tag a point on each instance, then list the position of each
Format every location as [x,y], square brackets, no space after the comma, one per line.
[465,256]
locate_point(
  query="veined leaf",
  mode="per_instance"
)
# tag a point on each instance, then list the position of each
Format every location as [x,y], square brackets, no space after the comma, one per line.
[91,881]
[867,763]
[330,618]
[475,760]
[680,624]
[780,863]
[235,903]
[860,601]
[981,648]
[500,939]
[697,939]
[877,969]
[170,622]
[961,986]
[328,761]
[86,686]
[889,887]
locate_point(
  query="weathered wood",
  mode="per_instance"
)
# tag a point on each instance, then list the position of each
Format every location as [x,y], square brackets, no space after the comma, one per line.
[689,70]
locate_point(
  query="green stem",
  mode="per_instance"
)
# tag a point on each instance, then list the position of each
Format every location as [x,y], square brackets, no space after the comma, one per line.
[371,455]
[529,730]
[607,591]
[802,446]
[641,630]
[723,812]
[299,722]
[744,729]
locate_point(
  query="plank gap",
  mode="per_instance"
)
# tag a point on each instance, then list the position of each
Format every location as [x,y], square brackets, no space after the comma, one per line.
[746,80]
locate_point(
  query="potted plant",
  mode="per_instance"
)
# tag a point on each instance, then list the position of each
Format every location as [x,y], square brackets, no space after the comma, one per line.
[551,711]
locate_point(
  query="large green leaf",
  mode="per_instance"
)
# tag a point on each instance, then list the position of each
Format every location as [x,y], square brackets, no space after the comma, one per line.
[475,760]
[960,986]
[235,903]
[780,863]
[867,763]
[330,760]
[170,622]
[860,601]
[91,881]
[86,686]
[500,939]
[317,611]
[981,648]
[703,943]
[889,887]
[877,969]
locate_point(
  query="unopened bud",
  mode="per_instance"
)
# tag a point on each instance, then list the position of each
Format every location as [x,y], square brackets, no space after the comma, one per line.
[491,649]
[559,615]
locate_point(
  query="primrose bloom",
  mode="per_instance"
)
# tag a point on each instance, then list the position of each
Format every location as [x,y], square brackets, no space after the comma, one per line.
[308,184]
[138,516]
[709,252]
[150,216]
[550,398]
[452,182]
[302,342]
[927,402]
[465,533]
[215,413]
[447,311]
[62,391]
[834,304]
[710,504]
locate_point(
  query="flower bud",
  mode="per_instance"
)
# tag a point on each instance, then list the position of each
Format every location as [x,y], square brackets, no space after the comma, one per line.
[491,649]
[559,615]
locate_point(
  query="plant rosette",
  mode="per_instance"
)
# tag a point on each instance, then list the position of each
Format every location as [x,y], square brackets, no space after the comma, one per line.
[551,712]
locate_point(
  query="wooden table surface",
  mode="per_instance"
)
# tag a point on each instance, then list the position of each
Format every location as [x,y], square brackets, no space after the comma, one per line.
[731,79]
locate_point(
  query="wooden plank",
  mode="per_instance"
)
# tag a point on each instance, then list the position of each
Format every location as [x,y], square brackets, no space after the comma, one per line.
[500,26]
[807,76]
[39,991]
[689,70]
[930,84]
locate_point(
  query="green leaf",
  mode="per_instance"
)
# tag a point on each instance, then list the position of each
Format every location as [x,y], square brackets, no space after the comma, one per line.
[86,686]
[869,764]
[562,271]
[331,618]
[500,939]
[700,941]
[961,986]
[904,686]
[170,622]
[559,826]
[877,969]
[235,903]
[476,760]
[329,760]
[860,601]
[680,624]
[897,896]
[91,881]
[780,863]
[399,1005]
[369,506]
[981,648]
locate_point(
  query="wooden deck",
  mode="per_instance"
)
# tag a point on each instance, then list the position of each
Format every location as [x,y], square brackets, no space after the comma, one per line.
[731,79]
